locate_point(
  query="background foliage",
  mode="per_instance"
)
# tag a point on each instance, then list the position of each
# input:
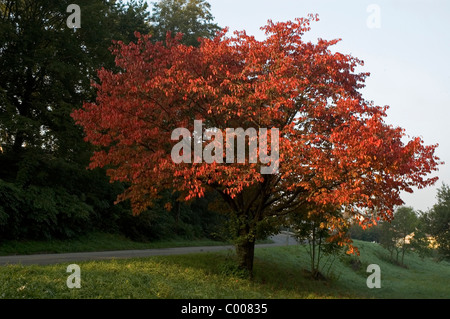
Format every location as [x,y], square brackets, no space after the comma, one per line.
[46,71]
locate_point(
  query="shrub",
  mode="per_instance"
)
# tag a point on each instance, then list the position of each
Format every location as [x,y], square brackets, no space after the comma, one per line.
[41,213]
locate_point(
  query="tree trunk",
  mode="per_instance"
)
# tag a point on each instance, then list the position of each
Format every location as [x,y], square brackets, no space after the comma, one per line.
[245,251]
[403,252]
[313,250]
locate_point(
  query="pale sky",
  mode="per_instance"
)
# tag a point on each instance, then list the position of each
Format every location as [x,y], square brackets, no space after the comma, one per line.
[406,48]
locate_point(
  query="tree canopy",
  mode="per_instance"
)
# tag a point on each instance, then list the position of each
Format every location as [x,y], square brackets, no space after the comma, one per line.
[438,221]
[335,150]
[192,18]
[46,71]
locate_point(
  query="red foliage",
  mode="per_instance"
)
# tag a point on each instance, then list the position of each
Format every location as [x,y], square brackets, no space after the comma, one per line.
[335,148]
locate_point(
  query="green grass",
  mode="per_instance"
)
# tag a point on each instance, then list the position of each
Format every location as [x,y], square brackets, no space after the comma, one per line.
[421,278]
[94,242]
[279,273]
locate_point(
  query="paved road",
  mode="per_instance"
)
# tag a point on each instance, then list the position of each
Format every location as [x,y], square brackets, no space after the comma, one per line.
[46,259]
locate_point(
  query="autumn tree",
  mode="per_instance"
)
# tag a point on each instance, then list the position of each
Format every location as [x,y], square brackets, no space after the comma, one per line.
[334,147]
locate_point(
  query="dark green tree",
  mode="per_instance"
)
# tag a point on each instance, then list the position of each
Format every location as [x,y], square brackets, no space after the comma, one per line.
[438,221]
[193,18]
[46,68]
[396,236]
[421,242]
[46,71]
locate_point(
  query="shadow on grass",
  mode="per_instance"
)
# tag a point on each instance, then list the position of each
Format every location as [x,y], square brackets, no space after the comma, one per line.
[271,278]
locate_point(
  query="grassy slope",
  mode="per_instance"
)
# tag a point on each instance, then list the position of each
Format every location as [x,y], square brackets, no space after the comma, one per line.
[278,274]
[421,278]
